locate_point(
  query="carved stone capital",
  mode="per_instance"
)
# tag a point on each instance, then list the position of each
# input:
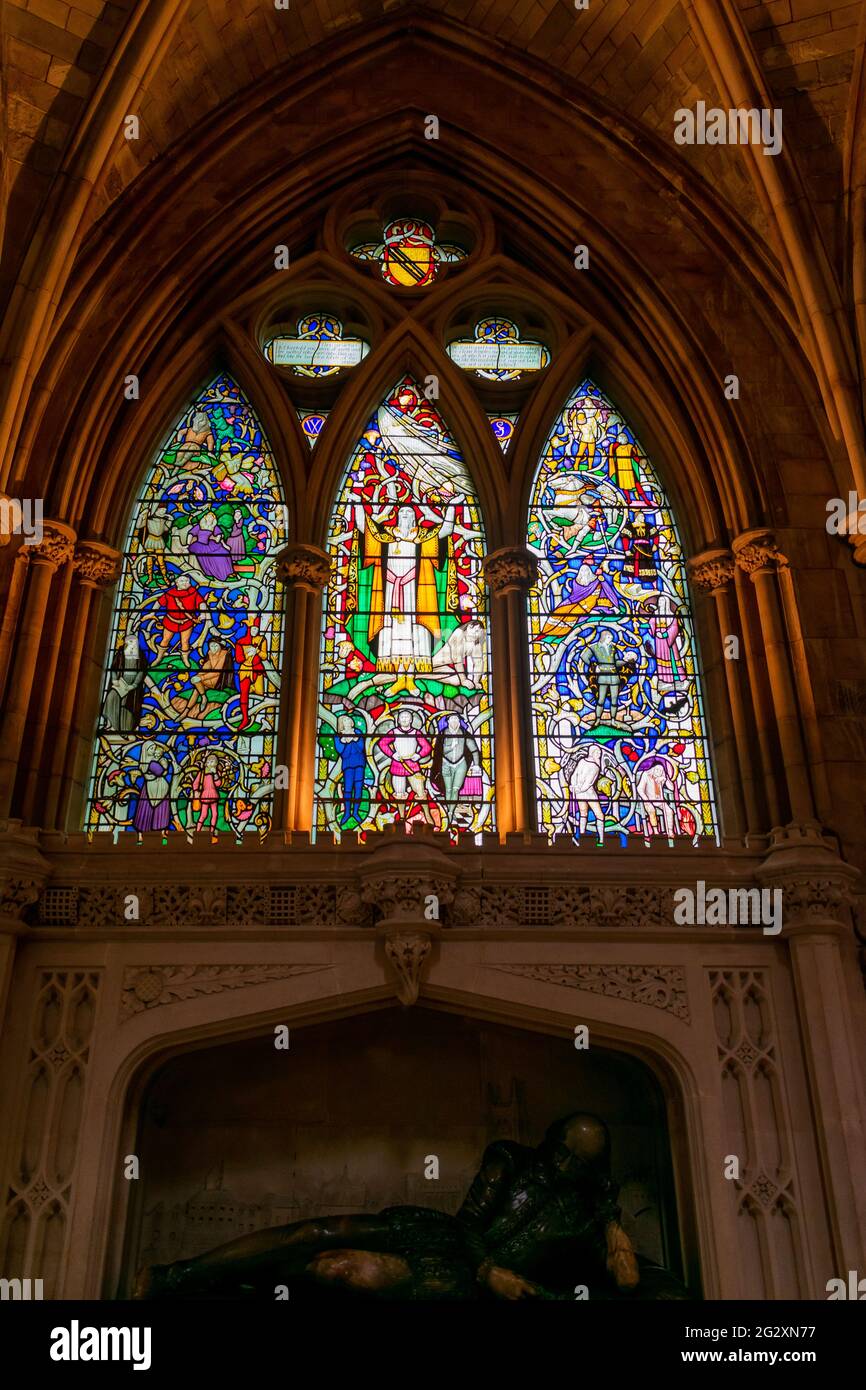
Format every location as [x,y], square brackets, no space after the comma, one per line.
[756,552]
[96,565]
[514,568]
[56,546]
[407,953]
[304,567]
[817,886]
[712,570]
[23,872]
[407,898]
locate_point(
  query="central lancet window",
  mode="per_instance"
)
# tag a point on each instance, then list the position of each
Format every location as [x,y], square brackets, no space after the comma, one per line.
[405,727]
[620,740]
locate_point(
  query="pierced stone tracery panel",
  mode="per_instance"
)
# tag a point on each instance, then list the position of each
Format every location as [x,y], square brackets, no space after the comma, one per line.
[756,1128]
[36,1218]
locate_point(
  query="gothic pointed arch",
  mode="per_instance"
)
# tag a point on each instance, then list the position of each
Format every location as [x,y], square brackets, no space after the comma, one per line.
[406,719]
[620,739]
[187,724]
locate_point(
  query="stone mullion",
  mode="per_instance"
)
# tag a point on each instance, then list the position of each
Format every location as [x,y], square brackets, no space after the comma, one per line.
[46,557]
[758,556]
[504,718]
[304,569]
[510,573]
[308,747]
[96,566]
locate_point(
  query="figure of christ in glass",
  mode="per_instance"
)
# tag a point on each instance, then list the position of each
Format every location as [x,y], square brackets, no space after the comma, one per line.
[405,727]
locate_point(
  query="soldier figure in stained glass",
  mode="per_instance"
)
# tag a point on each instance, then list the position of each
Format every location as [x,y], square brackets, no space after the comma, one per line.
[612,647]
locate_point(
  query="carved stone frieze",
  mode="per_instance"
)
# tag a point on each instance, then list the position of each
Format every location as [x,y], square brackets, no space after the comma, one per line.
[658,986]
[151,986]
[815,900]
[352,909]
[578,906]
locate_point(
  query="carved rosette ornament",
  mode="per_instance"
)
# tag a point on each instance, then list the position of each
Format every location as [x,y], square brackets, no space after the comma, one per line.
[407,953]
[56,546]
[712,570]
[510,570]
[756,551]
[303,567]
[96,565]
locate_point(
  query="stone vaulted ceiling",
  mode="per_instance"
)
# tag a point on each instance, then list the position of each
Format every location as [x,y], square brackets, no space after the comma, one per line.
[72,70]
[640,57]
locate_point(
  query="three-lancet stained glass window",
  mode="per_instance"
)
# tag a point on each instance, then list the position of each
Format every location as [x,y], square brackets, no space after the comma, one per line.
[186,737]
[620,739]
[405,728]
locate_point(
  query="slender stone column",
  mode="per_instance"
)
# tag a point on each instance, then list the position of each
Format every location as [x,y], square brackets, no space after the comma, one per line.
[97,566]
[11,610]
[757,554]
[52,551]
[713,573]
[305,570]
[511,573]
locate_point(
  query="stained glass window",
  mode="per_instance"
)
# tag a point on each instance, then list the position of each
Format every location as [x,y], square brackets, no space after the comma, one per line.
[312,423]
[497,352]
[406,721]
[318,348]
[187,728]
[502,426]
[620,739]
[409,253]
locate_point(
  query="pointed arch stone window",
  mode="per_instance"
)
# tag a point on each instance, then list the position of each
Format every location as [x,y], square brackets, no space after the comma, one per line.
[186,738]
[620,739]
[406,728]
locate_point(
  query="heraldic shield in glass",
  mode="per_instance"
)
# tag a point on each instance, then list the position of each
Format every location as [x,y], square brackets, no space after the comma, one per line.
[405,728]
[620,739]
[187,728]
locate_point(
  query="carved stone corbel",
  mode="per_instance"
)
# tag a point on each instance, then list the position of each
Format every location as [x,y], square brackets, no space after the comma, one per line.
[407,953]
